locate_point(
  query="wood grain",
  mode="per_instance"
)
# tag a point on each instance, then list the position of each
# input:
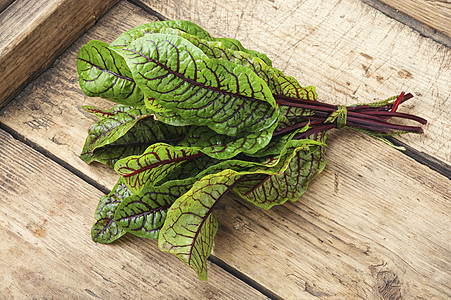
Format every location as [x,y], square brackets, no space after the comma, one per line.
[46,250]
[34,32]
[436,14]
[351,52]
[51,114]
[4,4]
[375,224]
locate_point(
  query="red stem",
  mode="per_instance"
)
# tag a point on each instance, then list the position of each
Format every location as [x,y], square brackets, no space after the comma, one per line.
[397,102]
[361,116]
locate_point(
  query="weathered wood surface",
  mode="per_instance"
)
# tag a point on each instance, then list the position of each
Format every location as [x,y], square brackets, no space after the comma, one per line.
[375,224]
[46,251]
[436,14]
[4,4]
[34,32]
[51,114]
[351,52]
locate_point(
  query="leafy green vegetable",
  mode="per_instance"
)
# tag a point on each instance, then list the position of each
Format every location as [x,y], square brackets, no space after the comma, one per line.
[144,214]
[105,229]
[190,226]
[153,165]
[200,116]
[104,73]
[226,97]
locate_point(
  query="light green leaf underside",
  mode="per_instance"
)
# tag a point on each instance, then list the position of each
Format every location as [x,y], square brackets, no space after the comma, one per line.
[190,226]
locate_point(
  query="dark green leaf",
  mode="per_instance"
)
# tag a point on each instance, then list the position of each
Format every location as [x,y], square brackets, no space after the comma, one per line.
[228,98]
[153,165]
[190,225]
[106,230]
[144,214]
[219,49]
[127,133]
[113,125]
[222,146]
[104,73]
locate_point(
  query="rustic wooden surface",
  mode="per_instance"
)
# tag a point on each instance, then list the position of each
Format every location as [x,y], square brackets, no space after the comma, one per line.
[34,32]
[375,224]
[46,252]
[436,14]
[4,4]
[349,51]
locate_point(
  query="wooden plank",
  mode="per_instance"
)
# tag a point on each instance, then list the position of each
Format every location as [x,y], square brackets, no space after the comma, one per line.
[351,52]
[57,118]
[46,250]
[436,14]
[375,224]
[4,4]
[34,32]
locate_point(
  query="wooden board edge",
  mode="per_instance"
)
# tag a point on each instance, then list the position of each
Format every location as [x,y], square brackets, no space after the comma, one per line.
[52,34]
[426,25]
[4,4]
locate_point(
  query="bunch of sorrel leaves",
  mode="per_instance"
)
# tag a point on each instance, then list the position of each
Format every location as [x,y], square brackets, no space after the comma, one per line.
[198,117]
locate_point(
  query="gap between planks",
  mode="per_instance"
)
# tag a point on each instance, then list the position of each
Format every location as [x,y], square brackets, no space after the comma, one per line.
[435,164]
[310,286]
[401,16]
[215,260]
[41,232]
[33,33]
[4,4]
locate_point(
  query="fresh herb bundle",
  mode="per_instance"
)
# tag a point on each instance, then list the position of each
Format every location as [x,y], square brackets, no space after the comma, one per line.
[198,117]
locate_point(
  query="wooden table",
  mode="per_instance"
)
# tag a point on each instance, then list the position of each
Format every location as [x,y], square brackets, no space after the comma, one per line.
[375,225]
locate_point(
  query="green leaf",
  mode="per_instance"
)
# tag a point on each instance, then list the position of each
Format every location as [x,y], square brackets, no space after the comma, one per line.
[153,165]
[190,226]
[106,230]
[234,44]
[182,26]
[108,113]
[135,141]
[291,88]
[266,190]
[278,143]
[155,27]
[270,164]
[219,49]
[113,125]
[189,169]
[222,146]
[104,73]
[228,98]
[143,215]
[339,116]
